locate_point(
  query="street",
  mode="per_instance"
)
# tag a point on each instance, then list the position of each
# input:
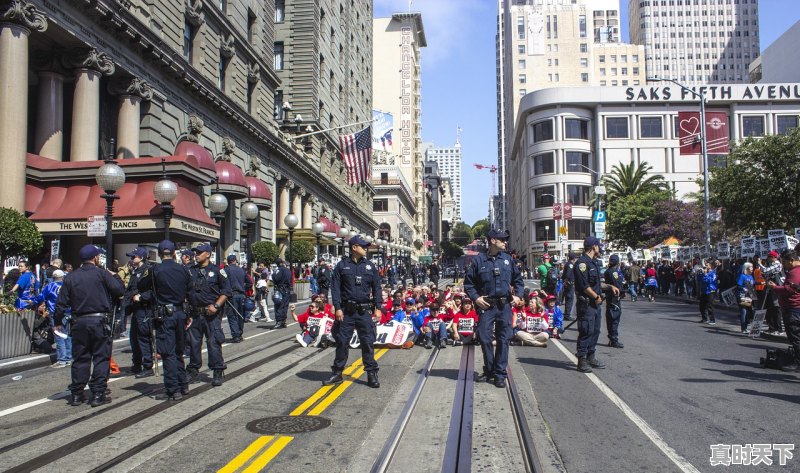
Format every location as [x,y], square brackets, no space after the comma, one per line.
[675,389]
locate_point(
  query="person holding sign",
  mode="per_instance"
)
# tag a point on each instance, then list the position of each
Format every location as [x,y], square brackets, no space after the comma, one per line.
[463,324]
[531,324]
[772,272]
[789,298]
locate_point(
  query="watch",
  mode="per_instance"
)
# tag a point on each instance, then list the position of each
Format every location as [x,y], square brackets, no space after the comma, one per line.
[216,306]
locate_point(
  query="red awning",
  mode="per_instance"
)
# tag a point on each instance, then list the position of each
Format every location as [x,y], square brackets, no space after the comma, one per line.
[231,180]
[203,156]
[330,227]
[259,191]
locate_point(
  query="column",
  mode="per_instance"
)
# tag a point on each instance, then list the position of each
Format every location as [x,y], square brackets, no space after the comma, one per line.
[19,19]
[308,207]
[131,93]
[297,204]
[283,211]
[49,140]
[90,66]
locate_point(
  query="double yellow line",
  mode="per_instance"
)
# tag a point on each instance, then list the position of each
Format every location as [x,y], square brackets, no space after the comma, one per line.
[258,454]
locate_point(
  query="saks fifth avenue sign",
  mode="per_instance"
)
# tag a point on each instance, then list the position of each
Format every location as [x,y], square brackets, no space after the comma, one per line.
[734,93]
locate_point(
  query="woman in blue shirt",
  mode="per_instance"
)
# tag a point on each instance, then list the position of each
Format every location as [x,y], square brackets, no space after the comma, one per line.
[745,291]
[26,287]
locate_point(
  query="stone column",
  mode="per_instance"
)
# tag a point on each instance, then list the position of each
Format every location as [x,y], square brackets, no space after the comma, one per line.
[308,207]
[131,93]
[89,66]
[18,20]
[49,141]
[297,205]
[285,191]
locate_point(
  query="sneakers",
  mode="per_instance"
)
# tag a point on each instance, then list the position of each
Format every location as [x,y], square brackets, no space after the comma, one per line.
[712,322]
[442,344]
[300,340]
[59,364]
[500,383]
[457,343]
[486,378]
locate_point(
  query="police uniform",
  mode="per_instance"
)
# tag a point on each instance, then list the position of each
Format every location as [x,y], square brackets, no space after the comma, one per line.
[172,284]
[140,334]
[568,288]
[282,282]
[89,293]
[356,291]
[207,284]
[492,277]
[613,277]
[235,308]
[587,275]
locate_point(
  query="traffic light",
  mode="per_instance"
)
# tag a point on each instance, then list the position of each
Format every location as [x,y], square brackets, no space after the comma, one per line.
[545,247]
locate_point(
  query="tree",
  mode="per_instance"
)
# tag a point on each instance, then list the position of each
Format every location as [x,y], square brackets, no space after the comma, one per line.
[301,252]
[628,214]
[683,220]
[480,228]
[264,251]
[18,235]
[759,188]
[630,179]
[462,234]
[450,250]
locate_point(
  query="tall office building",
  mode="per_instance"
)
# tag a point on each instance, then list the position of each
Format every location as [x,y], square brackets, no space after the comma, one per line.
[696,41]
[449,161]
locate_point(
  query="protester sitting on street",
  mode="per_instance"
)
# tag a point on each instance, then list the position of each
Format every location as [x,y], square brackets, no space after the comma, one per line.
[789,299]
[746,295]
[532,324]
[555,316]
[414,317]
[435,329]
[464,323]
[396,296]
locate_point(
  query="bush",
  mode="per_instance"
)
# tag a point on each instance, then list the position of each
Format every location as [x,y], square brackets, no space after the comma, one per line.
[18,235]
[301,252]
[264,251]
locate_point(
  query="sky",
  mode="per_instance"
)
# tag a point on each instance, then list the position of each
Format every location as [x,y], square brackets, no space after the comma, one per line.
[459,79]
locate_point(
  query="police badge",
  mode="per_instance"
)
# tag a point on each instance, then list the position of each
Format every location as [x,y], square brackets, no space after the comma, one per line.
[582,267]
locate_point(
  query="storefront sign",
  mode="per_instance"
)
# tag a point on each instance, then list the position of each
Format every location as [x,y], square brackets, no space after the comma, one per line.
[130,225]
[772,92]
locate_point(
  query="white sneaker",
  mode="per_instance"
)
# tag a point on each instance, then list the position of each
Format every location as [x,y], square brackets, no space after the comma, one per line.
[58,333]
[59,364]
[300,340]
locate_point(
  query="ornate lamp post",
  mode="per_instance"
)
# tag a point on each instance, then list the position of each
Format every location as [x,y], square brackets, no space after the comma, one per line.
[110,177]
[342,234]
[317,228]
[250,216]
[291,222]
[165,191]
[218,204]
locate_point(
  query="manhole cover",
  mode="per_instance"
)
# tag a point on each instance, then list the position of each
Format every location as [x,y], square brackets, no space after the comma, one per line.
[287,424]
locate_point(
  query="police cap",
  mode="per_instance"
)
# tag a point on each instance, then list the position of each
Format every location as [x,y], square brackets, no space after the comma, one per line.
[497,234]
[202,247]
[613,259]
[88,252]
[358,240]
[166,246]
[590,242]
[139,252]
[187,252]
[231,258]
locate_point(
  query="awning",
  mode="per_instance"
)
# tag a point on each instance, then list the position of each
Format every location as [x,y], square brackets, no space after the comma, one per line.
[329,226]
[231,180]
[259,192]
[305,234]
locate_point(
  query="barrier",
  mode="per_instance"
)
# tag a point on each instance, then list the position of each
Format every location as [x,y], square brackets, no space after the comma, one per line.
[15,333]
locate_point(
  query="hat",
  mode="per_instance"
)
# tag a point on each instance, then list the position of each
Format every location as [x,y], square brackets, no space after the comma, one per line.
[773,254]
[466,300]
[497,234]
[202,247]
[166,246]
[549,298]
[410,300]
[358,240]
[460,295]
[88,252]
[545,256]
[138,252]
[614,259]
[279,261]
[590,242]
[58,273]
[231,257]
[187,252]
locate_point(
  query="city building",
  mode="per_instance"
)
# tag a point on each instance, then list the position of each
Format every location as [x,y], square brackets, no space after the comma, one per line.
[448,208]
[449,161]
[397,90]
[696,41]
[393,207]
[186,90]
[435,193]
[778,63]
[567,138]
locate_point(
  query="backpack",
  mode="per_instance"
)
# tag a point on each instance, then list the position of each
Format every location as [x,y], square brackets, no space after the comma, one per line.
[552,277]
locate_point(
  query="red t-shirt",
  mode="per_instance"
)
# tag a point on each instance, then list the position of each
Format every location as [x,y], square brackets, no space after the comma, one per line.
[651,273]
[436,322]
[466,324]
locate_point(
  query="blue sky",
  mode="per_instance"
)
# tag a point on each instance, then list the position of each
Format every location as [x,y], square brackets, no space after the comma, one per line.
[458,78]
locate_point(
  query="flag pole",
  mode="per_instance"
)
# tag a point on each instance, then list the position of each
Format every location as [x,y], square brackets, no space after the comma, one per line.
[331,129]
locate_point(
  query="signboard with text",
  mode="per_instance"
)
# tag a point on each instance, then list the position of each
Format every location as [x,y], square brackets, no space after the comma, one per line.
[716,129]
[748,247]
[96,226]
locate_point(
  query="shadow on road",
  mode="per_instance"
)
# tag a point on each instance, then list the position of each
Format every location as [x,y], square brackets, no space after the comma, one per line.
[562,364]
[780,397]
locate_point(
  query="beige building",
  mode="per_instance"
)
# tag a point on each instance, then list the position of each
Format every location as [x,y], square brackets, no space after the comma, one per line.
[397,89]
[617,64]
[393,208]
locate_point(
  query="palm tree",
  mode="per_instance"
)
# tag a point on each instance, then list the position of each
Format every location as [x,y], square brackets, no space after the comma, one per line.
[630,179]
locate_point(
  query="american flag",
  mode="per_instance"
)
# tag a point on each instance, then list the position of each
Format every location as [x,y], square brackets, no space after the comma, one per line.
[356,153]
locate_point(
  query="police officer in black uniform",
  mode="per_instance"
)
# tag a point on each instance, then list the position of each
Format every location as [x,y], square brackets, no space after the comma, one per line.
[323,276]
[89,292]
[568,282]
[166,287]
[140,335]
[489,281]
[588,288]
[281,296]
[207,295]
[234,309]
[613,277]
[187,258]
[357,298]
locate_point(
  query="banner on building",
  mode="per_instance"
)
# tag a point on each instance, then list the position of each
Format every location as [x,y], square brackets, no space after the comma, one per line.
[557,214]
[717,135]
[382,127]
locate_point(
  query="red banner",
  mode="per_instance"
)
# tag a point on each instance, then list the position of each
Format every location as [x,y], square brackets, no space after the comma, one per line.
[557,211]
[716,133]
[567,211]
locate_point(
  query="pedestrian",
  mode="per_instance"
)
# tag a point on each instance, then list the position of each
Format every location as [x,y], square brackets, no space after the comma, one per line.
[357,299]
[773,271]
[634,277]
[208,293]
[262,292]
[613,278]
[88,294]
[494,283]
[234,308]
[187,257]
[746,295]
[323,276]
[542,271]
[568,286]
[140,311]
[282,293]
[789,298]
[588,288]
[707,283]
[49,297]
[26,287]
[166,286]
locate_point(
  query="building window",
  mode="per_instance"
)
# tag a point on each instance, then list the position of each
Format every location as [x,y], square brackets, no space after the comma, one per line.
[584,77]
[280,10]
[221,71]
[577,161]
[584,62]
[521,64]
[578,195]
[543,164]
[582,25]
[786,123]
[753,125]
[188,42]
[545,230]
[251,89]
[543,197]
[522,92]
[616,127]
[602,58]
[521,48]
[278,56]
[584,48]
[380,205]
[522,78]
[543,131]
[576,129]
[578,229]
[278,99]
[520,27]
[251,26]
[650,127]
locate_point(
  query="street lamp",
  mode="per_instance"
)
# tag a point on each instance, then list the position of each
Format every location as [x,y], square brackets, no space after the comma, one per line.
[369,241]
[165,191]
[342,234]
[703,146]
[250,216]
[110,177]
[298,120]
[291,222]
[287,107]
[218,204]
[317,228]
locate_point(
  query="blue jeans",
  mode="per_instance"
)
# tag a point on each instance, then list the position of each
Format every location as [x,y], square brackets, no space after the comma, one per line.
[437,336]
[236,317]
[63,349]
[744,314]
[633,288]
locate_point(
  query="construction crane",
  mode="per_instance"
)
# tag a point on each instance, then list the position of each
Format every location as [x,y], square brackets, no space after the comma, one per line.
[492,169]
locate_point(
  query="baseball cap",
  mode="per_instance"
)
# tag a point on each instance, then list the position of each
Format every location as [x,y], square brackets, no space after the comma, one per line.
[497,234]
[88,252]
[166,246]
[138,252]
[358,240]
[187,252]
[773,254]
[231,257]
[202,247]
[613,259]
[545,256]
[58,273]
[590,242]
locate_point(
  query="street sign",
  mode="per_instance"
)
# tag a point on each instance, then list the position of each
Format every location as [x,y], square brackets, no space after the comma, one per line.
[562,230]
[599,227]
[563,239]
[96,226]
[599,216]
[567,211]
[600,235]
[557,211]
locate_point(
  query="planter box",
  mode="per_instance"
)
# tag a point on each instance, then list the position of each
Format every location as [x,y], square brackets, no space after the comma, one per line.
[15,332]
[302,290]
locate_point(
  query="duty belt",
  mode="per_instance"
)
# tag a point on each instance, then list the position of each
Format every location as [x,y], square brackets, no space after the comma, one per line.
[92,314]
[497,301]
[358,306]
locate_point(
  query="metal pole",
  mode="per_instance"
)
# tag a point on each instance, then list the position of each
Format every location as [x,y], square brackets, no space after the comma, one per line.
[704,146]
[109,196]
[167,211]
[218,218]
[318,253]
[291,265]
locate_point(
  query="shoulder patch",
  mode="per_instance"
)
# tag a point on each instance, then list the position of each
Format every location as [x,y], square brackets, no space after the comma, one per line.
[616,275]
[222,273]
[506,262]
[369,267]
[146,273]
[582,267]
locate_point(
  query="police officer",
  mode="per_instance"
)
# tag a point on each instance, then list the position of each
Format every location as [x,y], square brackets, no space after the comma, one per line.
[489,281]
[568,290]
[166,286]
[613,278]
[282,281]
[187,258]
[140,310]
[89,292]
[207,295]
[323,276]
[234,309]
[588,288]
[357,298]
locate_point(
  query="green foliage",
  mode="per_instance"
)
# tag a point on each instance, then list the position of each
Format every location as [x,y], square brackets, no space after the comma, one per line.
[264,251]
[759,190]
[451,250]
[629,179]
[301,252]
[462,234]
[481,228]
[18,235]
[627,215]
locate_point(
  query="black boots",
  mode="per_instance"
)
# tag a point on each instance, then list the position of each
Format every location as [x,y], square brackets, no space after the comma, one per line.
[145,373]
[615,344]
[192,375]
[583,365]
[98,399]
[500,382]
[217,379]
[334,380]
[77,399]
[594,362]
[372,379]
